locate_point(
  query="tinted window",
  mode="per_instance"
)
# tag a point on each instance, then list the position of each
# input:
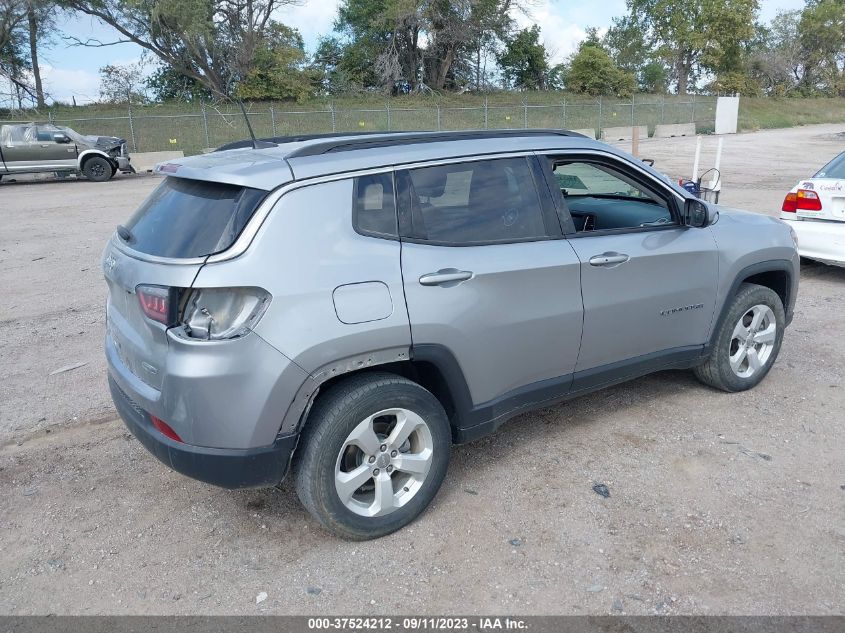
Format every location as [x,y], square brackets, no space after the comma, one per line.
[478,202]
[374,209]
[600,198]
[192,218]
[834,169]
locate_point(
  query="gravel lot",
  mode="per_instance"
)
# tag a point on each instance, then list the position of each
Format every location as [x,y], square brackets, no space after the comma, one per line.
[720,504]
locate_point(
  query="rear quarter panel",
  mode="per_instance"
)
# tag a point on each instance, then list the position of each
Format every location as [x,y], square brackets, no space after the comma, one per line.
[305,250]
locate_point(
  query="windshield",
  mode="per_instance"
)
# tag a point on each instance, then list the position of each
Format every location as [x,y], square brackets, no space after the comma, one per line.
[834,169]
[185,218]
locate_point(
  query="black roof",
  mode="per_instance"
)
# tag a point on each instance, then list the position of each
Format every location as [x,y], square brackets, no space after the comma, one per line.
[347,141]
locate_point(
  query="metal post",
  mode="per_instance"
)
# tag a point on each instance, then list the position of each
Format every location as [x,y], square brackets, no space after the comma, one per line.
[205,124]
[334,117]
[716,181]
[486,114]
[525,115]
[693,109]
[600,115]
[564,113]
[633,124]
[273,120]
[387,107]
[438,117]
[132,128]
[663,109]
[697,159]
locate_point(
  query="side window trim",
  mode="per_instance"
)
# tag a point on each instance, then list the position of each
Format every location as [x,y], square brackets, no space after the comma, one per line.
[409,215]
[563,218]
[607,160]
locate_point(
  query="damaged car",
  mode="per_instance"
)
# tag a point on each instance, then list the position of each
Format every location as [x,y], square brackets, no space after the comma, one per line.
[44,147]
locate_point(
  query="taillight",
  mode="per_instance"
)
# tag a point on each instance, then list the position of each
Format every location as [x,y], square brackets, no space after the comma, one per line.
[155,302]
[790,203]
[215,314]
[164,428]
[807,200]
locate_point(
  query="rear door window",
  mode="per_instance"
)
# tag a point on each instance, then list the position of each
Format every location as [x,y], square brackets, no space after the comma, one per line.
[480,202]
[185,218]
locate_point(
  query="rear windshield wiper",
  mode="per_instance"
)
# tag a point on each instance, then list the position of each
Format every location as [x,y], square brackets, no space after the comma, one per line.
[124,233]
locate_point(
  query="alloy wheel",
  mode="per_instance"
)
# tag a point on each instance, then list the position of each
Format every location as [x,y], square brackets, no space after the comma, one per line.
[753,341]
[384,462]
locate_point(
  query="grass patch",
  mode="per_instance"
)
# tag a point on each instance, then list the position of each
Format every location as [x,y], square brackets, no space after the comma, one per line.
[770,113]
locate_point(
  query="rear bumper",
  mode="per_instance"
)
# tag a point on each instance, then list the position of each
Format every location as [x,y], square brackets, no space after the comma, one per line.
[221,394]
[821,240]
[228,468]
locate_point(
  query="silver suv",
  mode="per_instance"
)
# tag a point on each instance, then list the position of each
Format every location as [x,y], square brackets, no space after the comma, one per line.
[347,307]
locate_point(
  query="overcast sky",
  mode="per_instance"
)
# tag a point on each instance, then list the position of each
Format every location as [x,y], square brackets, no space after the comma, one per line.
[70,70]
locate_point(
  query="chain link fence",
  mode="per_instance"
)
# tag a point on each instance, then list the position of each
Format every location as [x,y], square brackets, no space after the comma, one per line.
[193,131]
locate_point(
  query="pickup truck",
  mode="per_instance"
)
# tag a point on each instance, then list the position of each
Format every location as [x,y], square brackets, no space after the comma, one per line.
[44,147]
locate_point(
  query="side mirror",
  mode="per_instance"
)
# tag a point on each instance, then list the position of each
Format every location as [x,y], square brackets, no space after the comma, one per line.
[61,138]
[699,214]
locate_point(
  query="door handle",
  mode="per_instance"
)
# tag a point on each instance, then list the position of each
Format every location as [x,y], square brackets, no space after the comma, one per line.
[445,276]
[608,259]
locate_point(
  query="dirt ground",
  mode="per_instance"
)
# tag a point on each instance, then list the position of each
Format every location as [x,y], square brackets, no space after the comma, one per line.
[719,504]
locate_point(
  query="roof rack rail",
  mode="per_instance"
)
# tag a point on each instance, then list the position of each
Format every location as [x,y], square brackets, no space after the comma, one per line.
[294,138]
[347,141]
[342,142]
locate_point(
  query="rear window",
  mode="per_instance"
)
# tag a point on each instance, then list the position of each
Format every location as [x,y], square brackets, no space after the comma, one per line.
[192,218]
[834,169]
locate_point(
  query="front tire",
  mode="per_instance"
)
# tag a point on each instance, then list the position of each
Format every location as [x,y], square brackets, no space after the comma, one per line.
[97,169]
[372,456]
[748,340]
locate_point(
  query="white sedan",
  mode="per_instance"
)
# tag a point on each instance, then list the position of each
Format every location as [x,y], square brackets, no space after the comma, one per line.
[815,208]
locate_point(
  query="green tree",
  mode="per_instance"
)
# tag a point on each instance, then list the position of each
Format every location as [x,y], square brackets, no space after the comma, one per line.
[775,56]
[653,78]
[383,40]
[123,83]
[592,71]
[24,26]
[524,61]
[218,43]
[694,35]
[625,42]
[279,68]
[13,63]
[433,43]
[40,22]
[821,31]
[327,64]
[167,84]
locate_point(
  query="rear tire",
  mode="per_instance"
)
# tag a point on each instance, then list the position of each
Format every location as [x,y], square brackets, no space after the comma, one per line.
[748,340]
[97,169]
[372,456]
